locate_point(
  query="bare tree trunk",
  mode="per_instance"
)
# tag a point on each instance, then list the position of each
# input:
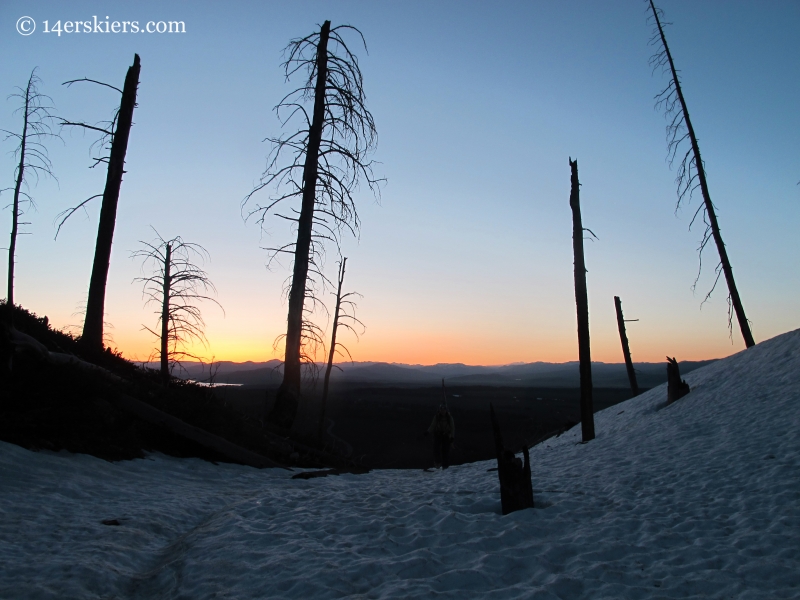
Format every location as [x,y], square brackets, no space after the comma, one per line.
[626,351]
[582,303]
[176,284]
[736,301]
[288,395]
[15,217]
[165,316]
[332,348]
[92,338]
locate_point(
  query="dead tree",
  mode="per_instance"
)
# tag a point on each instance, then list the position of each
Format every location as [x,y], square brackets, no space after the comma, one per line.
[213,370]
[582,304]
[516,489]
[116,138]
[320,165]
[626,351]
[676,387]
[691,172]
[32,160]
[175,287]
[344,316]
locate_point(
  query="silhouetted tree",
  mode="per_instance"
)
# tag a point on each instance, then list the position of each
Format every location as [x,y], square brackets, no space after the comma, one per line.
[176,285]
[32,159]
[321,165]
[626,351]
[115,138]
[344,315]
[582,304]
[691,171]
[213,369]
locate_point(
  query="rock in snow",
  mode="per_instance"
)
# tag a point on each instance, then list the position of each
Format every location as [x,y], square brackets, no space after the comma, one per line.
[698,499]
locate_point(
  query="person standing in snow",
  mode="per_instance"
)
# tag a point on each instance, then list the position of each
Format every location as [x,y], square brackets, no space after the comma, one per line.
[444,431]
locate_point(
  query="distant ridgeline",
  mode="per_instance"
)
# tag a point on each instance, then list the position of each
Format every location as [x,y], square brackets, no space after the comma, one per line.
[538,374]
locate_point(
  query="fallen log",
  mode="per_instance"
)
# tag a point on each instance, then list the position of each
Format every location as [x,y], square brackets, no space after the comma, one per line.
[208,440]
[24,343]
[326,472]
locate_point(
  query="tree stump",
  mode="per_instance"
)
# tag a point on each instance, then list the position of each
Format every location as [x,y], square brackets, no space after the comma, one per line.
[516,490]
[676,387]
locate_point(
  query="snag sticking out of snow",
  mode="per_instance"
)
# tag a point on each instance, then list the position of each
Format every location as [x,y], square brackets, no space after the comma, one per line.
[676,387]
[516,490]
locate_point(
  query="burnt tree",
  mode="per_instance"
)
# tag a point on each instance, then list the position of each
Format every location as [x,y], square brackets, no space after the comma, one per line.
[516,489]
[582,304]
[691,171]
[32,161]
[344,316]
[320,165]
[175,287]
[676,387]
[626,351]
[117,135]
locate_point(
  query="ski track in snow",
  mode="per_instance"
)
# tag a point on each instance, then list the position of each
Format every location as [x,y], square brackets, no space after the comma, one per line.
[700,499]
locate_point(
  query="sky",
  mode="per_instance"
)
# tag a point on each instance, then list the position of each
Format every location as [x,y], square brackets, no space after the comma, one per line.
[467,254]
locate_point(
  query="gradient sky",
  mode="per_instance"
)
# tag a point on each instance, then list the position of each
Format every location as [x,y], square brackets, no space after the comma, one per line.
[468,255]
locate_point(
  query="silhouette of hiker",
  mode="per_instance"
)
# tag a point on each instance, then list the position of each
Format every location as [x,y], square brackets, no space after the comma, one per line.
[444,430]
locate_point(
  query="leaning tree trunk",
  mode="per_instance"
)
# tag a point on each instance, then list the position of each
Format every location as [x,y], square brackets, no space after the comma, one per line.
[288,395]
[582,304]
[736,301]
[332,349]
[626,351]
[165,316]
[12,248]
[92,337]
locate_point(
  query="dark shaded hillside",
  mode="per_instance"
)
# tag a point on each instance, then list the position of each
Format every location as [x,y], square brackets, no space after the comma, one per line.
[120,411]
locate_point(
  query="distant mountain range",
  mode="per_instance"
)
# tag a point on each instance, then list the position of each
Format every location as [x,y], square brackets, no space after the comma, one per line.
[538,374]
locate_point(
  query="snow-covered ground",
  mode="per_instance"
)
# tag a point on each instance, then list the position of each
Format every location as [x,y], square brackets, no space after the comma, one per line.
[700,499]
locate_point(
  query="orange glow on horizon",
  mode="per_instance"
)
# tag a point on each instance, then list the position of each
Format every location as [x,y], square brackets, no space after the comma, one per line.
[407,349]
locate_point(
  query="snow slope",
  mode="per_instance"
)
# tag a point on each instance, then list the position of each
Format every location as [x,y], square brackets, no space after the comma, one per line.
[700,499]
